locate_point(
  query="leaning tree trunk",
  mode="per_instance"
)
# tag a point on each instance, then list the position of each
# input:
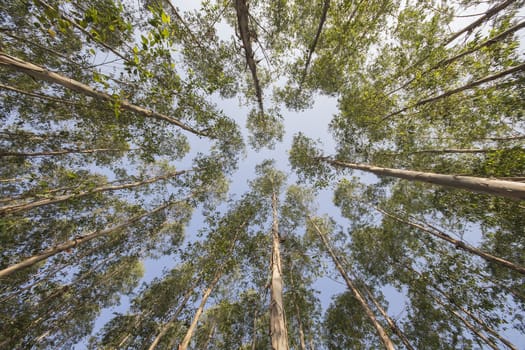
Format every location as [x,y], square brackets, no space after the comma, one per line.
[467,312]
[389,345]
[165,328]
[508,189]
[457,243]
[15,208]
[278,332]
[76,242]
[41,73]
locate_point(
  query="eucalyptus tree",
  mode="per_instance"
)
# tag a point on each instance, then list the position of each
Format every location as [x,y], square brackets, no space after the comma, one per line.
[442,281]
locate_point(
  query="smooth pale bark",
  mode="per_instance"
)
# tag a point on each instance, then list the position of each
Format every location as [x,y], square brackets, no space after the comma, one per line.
[380,330]
[242,19]
[278,331]
[189,333]
[508,189]
[457,243]
[173,319]
[76,242]
[465,87]
[15,208]
[489,14]
[41,73]
[311,49]
[186,340]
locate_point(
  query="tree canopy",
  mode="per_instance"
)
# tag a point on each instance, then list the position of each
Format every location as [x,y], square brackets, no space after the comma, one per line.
[155,193]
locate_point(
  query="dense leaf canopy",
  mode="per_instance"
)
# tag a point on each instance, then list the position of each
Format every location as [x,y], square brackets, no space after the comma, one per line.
[146,201]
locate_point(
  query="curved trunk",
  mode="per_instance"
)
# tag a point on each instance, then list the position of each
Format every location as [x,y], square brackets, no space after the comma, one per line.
[508,189]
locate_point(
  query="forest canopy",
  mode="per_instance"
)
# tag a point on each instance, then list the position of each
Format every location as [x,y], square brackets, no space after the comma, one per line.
[154,193]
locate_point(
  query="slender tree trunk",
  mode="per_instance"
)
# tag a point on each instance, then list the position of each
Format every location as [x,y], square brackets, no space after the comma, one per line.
[509,189]
[456,150]
[380,330]
[172,320]
[469,325]
[40,96]
[189,333]
[490,13]
[57,153]
[41,73]
[302,341]
[75,242]
[11,209]
[391,323]
[278,331]
[254,334]
[311,49]
[447,61]
[457,243]
[242,18]
[468,86]
[451,300]
[210,336]
[187,338]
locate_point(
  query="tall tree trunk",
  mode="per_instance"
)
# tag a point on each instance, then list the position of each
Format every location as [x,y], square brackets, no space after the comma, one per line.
[489,14]
[77,241]
[15,208]
[311,49]
[452,301]
[244,31]
[189,333]
[172,320]
[508,189]
[58,153]
[41,73]
[456,242]
[466,322]
[380,330]
[302,341]
[465,87]
[391,323]
[447,61]
[278,331]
